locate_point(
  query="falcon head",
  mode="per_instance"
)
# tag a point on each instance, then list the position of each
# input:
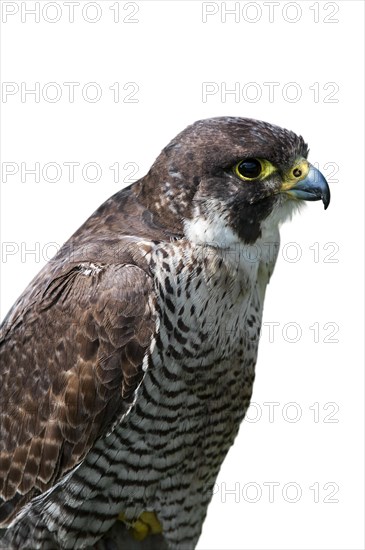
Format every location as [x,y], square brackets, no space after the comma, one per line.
[228,179]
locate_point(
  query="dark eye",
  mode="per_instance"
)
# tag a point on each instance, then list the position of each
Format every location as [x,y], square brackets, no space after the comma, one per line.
[249,169]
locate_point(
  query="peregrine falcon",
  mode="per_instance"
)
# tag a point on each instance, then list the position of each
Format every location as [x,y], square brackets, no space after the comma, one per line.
[127,364]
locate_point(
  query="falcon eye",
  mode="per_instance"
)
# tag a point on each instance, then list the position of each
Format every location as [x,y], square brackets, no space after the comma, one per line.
[248,169]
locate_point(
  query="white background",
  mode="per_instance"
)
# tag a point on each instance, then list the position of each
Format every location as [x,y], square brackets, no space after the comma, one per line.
[169,52]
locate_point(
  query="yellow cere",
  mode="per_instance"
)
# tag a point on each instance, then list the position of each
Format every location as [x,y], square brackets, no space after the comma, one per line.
[297,172]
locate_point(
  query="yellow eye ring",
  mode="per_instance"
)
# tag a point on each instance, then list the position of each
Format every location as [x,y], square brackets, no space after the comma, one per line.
[248,169]
[252,169]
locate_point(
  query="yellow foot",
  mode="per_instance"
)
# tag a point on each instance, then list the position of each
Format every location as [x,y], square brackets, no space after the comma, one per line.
[146,524]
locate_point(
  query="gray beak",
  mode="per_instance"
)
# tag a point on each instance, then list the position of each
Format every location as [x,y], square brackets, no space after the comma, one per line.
[313,187]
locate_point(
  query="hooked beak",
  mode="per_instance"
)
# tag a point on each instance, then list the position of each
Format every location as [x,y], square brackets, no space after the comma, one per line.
[312,187]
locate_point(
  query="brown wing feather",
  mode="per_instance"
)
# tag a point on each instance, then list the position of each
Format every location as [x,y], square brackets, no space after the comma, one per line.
[71,355]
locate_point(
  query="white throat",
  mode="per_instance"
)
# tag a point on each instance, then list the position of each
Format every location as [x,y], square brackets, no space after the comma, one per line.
[212,229]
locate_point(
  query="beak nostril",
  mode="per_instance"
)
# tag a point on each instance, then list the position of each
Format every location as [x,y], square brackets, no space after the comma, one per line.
[297,172]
